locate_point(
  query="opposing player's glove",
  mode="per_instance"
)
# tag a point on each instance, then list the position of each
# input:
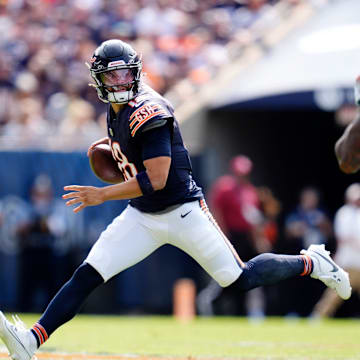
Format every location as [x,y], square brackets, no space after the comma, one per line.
[357,91]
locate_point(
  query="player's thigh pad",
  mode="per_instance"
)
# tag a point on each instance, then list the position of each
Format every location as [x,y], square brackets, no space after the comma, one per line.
[122,244]
[199,236]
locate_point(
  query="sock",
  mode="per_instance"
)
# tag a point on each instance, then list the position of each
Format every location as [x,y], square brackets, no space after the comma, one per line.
[40,334]
[67,302]
[308,265]
[269,269]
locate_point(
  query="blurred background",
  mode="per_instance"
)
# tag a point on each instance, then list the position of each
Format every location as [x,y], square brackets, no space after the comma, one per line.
[262,90]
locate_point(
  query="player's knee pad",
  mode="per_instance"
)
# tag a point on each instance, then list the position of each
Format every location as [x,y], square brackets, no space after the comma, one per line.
[226,277]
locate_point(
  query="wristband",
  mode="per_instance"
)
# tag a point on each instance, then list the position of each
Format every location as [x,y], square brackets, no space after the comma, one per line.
[144,183]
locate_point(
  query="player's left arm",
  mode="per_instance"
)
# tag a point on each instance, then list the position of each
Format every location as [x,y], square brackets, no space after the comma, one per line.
[156,153]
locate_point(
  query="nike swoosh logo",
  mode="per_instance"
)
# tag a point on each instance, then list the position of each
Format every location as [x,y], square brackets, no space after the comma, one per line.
[183,215]
[335,268]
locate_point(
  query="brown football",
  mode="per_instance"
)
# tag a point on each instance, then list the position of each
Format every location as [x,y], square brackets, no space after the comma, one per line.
[103,164]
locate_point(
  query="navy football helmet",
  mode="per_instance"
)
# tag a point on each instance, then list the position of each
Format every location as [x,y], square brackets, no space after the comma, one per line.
[116,70]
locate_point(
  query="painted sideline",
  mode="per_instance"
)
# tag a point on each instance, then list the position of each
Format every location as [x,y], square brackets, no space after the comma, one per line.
[74,356]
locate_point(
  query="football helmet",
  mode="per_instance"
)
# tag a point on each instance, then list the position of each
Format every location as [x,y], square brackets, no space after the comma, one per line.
[116,70]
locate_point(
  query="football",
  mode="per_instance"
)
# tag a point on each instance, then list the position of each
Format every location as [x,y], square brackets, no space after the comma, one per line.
[103,164]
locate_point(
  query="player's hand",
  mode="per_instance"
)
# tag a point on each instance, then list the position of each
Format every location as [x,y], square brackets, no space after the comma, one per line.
[104,140]
[84,196]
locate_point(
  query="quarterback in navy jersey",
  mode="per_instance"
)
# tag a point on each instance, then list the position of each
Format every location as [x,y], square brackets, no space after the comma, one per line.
[137,133]
[166,207]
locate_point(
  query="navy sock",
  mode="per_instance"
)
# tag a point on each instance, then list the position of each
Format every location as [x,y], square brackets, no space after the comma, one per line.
[67,302]
[269,269]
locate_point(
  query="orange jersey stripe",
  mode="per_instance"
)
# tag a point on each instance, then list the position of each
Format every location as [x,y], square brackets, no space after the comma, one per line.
[156,107]
[133,132]
[207,212]
[134,114]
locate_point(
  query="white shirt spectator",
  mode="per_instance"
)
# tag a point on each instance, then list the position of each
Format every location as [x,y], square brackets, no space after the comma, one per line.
[347,232]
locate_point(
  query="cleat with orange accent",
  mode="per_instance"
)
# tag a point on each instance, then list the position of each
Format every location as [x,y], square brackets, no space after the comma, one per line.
[325,270]
[20,342]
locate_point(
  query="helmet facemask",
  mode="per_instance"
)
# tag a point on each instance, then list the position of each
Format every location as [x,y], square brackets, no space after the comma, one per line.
[117,84]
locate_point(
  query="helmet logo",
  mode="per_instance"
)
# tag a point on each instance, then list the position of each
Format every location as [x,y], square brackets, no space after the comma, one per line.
[115,63]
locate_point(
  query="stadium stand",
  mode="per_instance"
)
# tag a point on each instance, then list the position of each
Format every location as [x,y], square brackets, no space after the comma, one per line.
[43,80]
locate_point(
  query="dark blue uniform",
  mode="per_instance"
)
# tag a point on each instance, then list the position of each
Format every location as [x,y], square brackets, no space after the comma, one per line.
[137,133]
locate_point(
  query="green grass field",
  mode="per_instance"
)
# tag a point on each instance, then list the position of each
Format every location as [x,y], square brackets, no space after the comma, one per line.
[219,338]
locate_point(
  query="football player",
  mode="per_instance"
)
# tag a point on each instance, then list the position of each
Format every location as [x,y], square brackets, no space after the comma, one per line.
[347,148]
[165,206]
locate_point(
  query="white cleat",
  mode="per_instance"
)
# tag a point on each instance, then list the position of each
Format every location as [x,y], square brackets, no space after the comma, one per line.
[325,269]
[20,342]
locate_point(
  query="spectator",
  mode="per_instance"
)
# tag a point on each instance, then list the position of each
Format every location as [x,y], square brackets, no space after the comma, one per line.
[270,207]
[236,206]
[307,224]
[347,233]
[12,213]
[42,237]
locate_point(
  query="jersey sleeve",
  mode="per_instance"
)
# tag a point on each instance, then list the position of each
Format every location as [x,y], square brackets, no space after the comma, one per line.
[156,142]
[148,115]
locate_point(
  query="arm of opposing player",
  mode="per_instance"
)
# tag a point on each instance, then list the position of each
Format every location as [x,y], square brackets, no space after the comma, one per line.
[347,148]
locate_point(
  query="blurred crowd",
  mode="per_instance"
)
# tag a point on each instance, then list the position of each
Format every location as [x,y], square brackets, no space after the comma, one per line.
[42,239]
[45,100]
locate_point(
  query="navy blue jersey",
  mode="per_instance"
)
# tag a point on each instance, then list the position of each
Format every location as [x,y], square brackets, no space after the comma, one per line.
[128,130]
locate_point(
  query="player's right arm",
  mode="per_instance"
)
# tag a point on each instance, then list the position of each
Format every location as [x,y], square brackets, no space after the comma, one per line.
[347,148]
[156,154]
[157,170]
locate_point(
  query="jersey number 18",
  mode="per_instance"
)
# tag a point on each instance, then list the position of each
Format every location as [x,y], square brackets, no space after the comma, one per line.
[128,169]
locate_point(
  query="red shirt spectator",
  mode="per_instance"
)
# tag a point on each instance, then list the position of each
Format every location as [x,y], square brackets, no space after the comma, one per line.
[234,200]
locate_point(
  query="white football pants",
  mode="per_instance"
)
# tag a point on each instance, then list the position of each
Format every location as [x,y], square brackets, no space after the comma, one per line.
[134,235]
